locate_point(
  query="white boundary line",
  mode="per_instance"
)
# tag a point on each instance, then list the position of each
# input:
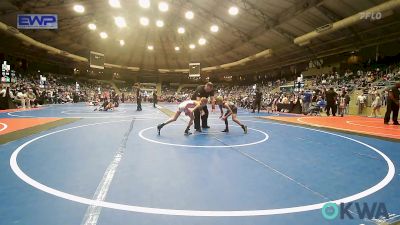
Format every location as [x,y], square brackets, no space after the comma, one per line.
[339,129]
[28,109]
[266,136]
[74,112]
[181,212]
[145,116]
[5,126]
[93,212]
[11,114]
[352,122]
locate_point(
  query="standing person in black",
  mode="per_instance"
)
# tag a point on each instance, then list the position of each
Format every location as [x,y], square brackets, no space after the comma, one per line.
[115,100]
[203,91]
[393,104]
[331,101]
[138,99]
[112,94]
[5,97]
[155,100]
[257,101]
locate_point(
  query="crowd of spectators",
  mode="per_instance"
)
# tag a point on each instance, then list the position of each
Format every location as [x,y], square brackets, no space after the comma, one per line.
[30,91]
[325,92]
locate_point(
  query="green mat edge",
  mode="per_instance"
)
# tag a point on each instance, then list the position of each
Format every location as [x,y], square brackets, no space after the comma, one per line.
[15,135]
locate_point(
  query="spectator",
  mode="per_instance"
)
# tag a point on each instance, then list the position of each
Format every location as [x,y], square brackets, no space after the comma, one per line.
[5,97]
[307,97]
[361,100]
[347,102]
[31,98]
[342,103]
[376,105]
[331,97]
[21,98]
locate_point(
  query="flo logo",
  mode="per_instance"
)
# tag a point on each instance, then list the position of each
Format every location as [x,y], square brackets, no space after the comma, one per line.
[377,210]
[370,15]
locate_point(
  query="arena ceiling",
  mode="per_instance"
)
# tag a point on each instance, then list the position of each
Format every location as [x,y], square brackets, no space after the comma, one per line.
[262,35]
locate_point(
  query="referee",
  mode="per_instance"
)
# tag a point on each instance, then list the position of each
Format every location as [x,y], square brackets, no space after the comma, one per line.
[393,104]
[138,99]
[257,101]
[155,98]
[203,91]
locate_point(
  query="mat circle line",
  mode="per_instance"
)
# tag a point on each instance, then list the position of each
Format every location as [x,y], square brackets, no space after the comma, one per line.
[266,137]
[198,213]
[4,127]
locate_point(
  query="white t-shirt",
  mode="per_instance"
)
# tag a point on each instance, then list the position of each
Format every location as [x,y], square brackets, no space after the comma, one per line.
[361,99]
[377,102]
[285,100]
[21,95]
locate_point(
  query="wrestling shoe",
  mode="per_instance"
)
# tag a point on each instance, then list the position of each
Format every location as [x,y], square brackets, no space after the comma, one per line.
[159,128]
[199,130]
[187,132]
[225,131]
[206,127]
[244,129]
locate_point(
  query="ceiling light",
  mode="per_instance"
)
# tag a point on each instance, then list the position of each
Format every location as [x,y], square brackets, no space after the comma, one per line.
[144,21]
[233,10]
[92,26]
[150,47]
[192,46]
[144,3]
[103,35]
[159,23]
[114,3]
[120,21]
[79,8]
[202,41]
[121,42]
[181,30]
[163,6]
[189,15]
[177,48]
[214,28]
